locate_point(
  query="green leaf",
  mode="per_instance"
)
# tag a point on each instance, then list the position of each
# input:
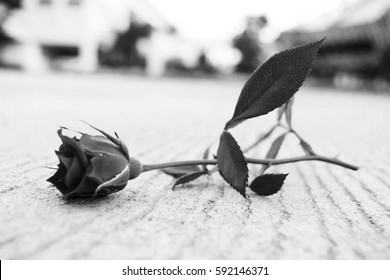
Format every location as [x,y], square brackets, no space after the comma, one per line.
[274,83]
[188,178]
[231,163]
[268,184]
[179,171]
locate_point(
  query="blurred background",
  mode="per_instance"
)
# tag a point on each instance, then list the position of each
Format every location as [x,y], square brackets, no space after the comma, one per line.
[196,38]
[166,74]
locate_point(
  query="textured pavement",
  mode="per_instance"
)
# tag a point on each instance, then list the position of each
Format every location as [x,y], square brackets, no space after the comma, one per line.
[322,212]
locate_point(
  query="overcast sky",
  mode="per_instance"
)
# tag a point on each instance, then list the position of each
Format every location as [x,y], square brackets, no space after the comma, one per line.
[220,19]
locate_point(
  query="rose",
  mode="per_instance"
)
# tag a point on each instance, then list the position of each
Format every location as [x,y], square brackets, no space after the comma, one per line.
[93,165]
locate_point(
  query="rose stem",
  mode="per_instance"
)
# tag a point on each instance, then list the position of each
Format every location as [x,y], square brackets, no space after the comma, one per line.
[149,167]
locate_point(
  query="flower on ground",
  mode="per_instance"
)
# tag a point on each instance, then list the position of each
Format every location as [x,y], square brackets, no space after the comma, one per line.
[92,165]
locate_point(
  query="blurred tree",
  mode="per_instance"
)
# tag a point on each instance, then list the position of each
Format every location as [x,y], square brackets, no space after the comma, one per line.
[11,4]
[124,51]
[5,8]
[204,64]
[385,64]
[249,45]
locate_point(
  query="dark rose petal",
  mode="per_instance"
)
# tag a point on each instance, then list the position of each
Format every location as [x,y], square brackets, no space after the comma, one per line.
[56,179]
[74,174]
[115,140]
[75,145]
[105,167]
[116,184]
[110,189]
[66,150]
[95,145]
[62,187]
[86,188]
[66,161]
[90,166]
[61,171]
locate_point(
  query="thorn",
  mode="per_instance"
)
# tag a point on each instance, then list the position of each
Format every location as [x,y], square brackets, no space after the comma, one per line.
[337,155]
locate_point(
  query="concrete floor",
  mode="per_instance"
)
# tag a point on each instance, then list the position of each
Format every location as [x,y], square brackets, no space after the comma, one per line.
[322,212]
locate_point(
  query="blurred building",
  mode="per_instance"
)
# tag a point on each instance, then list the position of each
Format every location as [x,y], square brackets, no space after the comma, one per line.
[69,33]
[357,40]
[6,6]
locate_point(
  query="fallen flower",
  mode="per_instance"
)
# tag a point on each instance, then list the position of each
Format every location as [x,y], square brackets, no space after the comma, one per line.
[101,165]
[92,165]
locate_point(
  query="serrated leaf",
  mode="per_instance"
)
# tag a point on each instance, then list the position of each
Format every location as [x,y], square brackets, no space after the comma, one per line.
[268,184]
[188,178]
[231,163]
[179,171]
[274,83]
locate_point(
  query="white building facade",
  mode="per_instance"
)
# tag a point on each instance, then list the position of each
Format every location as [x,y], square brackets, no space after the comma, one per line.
[80,25]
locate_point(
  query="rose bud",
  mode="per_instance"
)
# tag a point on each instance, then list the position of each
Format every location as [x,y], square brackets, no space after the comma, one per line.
[93,165]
